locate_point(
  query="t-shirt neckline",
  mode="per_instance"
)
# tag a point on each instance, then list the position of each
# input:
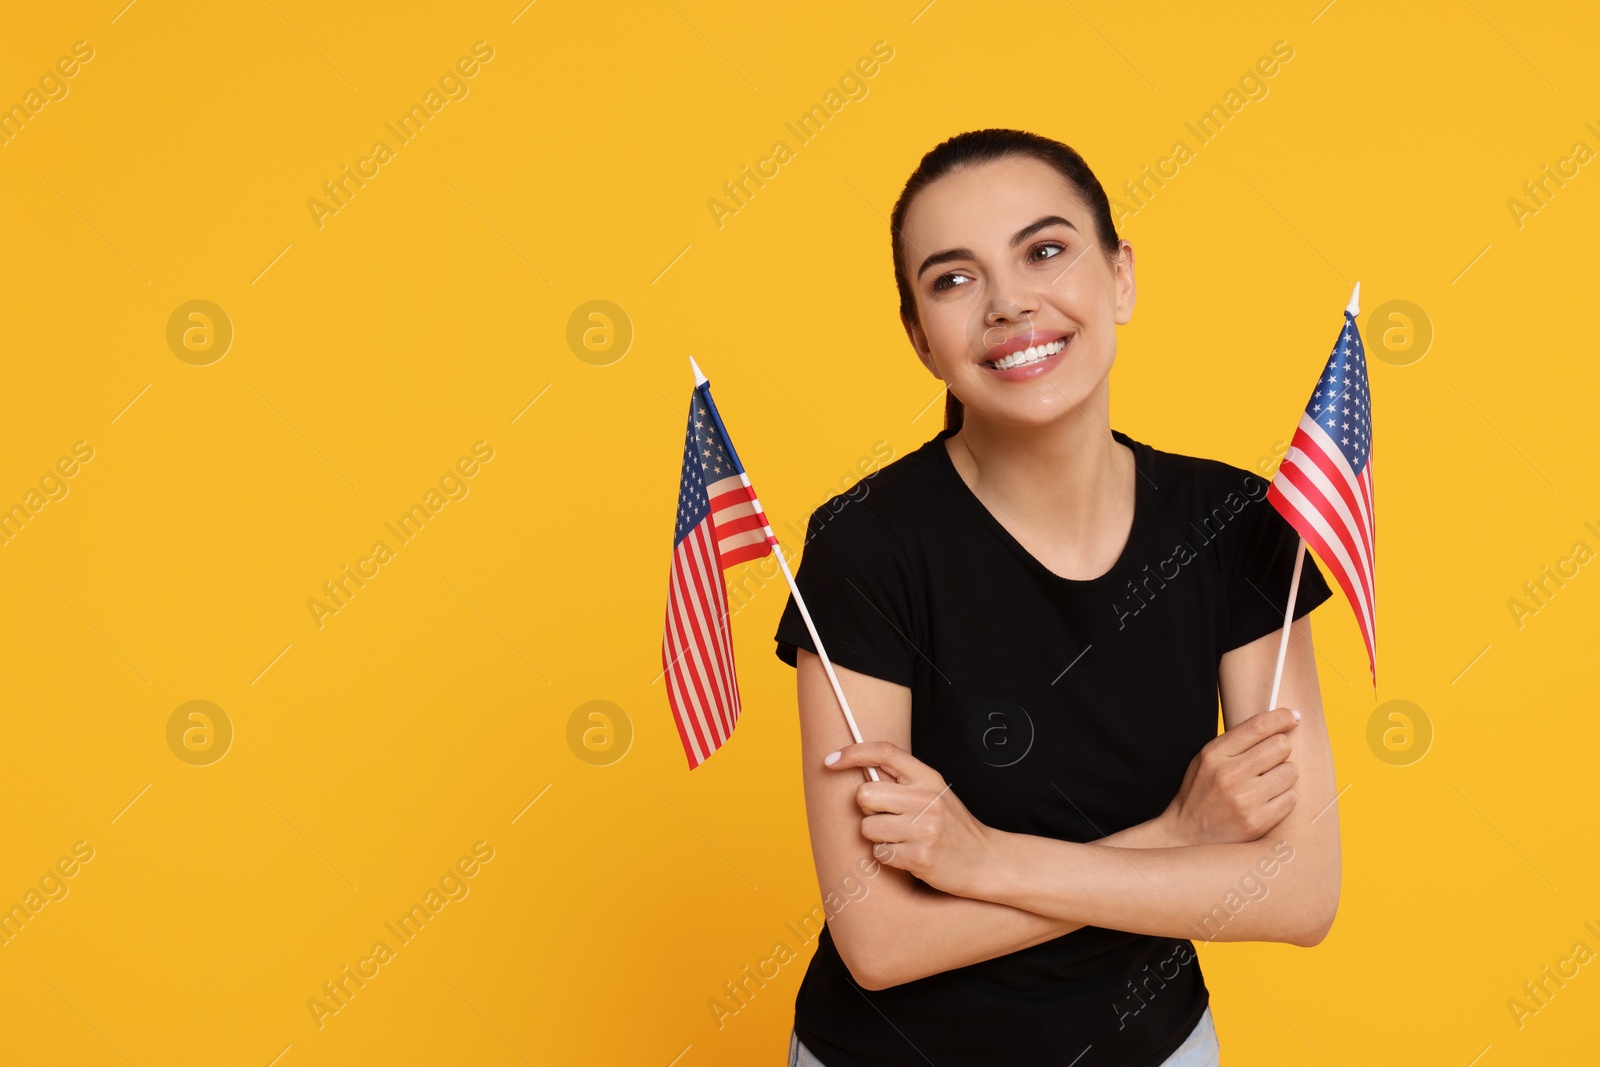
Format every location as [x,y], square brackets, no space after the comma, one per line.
[1142,503]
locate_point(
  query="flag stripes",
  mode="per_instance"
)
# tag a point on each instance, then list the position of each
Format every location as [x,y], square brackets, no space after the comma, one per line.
[720,524]
[1323,487]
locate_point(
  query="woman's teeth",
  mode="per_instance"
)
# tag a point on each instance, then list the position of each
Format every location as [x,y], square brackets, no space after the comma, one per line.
[1030,355]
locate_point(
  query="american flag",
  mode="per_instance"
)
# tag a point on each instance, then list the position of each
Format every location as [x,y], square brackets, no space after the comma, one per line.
[720,524]
[1323,487]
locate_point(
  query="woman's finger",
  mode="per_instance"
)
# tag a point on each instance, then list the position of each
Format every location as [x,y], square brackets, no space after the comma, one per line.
[1265,754]
[887,755]
[1277,809]
[893,798]
[1248,733]
[886,828]
[887,853]
[1277,781]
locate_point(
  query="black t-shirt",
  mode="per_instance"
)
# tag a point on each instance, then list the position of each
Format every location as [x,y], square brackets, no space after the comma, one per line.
[1054,707]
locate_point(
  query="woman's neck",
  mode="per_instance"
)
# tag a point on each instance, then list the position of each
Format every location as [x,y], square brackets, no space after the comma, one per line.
[1067,485]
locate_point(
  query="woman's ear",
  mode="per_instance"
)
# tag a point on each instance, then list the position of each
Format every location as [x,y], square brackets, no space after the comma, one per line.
[1126,292]
[919,344]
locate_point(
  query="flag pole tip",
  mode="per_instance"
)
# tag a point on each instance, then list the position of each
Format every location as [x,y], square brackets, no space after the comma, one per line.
[699,377]
[1354,307]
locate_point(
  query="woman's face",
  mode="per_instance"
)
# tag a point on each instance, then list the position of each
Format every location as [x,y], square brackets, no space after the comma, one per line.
[1004,255]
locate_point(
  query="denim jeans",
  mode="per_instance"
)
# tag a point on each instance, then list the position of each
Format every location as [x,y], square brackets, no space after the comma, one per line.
[1199,1049]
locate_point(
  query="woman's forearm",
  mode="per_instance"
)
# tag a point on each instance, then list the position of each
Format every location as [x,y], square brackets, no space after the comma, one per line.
[1262,890]
[933,932]
[1283,886]
[939,932]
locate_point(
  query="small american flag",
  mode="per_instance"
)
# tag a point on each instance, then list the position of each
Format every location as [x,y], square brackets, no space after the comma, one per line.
[720,524]
[1323,487]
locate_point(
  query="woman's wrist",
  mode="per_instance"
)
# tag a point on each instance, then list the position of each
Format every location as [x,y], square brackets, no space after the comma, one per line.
[1163,831]
[994,878]
[1167,831]
[1018,873]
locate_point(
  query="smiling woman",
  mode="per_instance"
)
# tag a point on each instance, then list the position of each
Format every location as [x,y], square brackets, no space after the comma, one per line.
[1035,906]
[938,308]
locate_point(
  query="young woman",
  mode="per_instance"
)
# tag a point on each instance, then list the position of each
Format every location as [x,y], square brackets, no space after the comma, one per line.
[1032,616]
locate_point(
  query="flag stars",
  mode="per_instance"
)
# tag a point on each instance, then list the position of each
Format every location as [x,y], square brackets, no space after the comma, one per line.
[1340,403]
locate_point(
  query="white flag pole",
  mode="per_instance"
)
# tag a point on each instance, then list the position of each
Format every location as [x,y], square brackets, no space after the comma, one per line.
[1288,620]
[827,665]
[1354,308]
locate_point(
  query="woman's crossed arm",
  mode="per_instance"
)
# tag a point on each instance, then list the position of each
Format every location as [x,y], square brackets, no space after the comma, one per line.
[1282,887]
[897,929]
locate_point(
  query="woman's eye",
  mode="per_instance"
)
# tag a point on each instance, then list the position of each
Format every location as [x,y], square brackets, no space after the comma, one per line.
[946,282]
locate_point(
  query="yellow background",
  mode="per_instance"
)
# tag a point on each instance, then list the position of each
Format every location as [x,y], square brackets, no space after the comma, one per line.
[432,310]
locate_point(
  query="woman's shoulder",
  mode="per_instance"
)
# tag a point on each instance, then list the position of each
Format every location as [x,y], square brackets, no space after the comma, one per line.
[1203,482]
[887,492]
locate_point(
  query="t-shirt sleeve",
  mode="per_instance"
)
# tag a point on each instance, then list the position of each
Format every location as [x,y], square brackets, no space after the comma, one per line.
[857,581]
[1259,568]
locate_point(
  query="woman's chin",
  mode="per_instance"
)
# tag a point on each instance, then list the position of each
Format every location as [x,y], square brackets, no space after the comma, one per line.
[1041,407]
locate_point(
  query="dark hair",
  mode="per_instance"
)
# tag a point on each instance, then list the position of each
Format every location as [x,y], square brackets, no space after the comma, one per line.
[984,146]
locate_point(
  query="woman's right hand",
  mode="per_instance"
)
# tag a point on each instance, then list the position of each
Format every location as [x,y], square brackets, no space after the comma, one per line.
[1239,786]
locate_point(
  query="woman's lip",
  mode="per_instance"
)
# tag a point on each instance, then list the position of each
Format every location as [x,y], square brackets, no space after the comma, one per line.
[1022,344]
[1032,370]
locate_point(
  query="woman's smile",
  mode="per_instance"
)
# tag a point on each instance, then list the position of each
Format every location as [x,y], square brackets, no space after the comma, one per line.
[1030,363]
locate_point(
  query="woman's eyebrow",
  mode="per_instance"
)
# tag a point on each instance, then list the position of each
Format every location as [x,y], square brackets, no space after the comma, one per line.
[1016,239]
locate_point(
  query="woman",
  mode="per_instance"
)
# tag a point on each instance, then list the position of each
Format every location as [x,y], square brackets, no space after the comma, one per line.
[1032,616]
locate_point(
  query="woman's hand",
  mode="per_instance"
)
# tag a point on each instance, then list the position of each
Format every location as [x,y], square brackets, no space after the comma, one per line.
[920,825]
[1239,786]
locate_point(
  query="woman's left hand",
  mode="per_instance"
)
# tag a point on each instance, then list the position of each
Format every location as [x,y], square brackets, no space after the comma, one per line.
[921,826]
